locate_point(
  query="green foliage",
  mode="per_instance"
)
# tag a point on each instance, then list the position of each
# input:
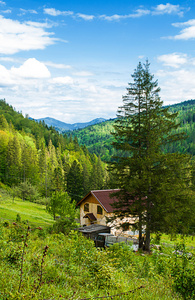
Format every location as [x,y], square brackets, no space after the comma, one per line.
[60,204]
[154,187]
[18,218]
[31,152]
[65,224]
[58,266]
[35,213]
[26,191]
[98,138]
[183,273]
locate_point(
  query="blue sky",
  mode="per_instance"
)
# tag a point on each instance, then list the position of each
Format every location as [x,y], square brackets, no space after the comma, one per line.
[72,60]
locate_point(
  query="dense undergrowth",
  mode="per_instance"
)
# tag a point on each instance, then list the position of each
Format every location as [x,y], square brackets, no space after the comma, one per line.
[36,264]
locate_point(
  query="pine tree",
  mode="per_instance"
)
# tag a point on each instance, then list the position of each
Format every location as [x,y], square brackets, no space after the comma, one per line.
[75,182]
[143,172]
[4,139]
[13,161]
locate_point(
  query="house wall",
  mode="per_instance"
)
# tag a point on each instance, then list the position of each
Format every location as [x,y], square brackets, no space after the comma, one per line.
[101,219]
[93,203]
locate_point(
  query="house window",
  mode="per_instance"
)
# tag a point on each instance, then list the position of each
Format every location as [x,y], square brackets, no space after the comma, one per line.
[99,210]
[86,207]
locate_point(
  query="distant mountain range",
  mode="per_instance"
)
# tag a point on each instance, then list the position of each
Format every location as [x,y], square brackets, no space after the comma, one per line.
[61,126]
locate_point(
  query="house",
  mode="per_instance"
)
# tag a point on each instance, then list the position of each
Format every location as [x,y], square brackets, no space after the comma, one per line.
[96,206]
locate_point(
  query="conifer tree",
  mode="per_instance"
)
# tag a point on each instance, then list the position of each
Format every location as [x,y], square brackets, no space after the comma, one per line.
[13,161]
[75,182]
[143,173]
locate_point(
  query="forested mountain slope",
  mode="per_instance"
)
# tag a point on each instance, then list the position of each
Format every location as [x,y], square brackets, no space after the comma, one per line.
[98,138]
[63,127]
[31,152]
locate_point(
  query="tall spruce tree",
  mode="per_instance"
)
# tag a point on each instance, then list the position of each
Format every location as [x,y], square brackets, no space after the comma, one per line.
[143,173]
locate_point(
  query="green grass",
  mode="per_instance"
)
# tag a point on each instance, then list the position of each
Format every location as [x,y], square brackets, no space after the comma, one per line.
[166,239]
[35,213]
[74,269]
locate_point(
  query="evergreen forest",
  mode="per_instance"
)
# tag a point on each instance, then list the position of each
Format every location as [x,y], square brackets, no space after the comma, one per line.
[43,174]
[98,138]
[36,160]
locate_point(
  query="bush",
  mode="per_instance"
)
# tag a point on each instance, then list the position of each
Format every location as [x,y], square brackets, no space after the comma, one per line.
[64,225]
[184,273]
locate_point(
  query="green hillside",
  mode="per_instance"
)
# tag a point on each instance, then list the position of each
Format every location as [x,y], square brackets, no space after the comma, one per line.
[30,212]
[35,156]
[98,139]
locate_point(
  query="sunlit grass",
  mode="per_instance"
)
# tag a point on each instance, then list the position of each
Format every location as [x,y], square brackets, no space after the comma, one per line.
[189,241]
[35,213]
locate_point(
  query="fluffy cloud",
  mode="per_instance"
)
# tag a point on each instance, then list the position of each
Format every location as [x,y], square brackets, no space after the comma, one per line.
[31,68]
[187,33]
[5,78]
[176,85]
[16,36]
[67,98]
[173,60]
[169,9]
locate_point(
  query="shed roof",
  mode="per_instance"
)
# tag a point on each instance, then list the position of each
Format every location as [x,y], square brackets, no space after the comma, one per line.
[94,228]
[104,198]
[90,216]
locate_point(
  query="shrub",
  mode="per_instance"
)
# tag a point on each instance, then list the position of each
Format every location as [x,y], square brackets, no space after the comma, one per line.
[184,273]
[18,218]
[64,225]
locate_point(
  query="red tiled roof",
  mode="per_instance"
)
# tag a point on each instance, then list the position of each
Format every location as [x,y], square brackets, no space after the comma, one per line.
[103,197]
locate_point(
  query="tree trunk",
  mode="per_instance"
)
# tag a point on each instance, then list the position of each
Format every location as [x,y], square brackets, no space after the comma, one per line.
[147,241]
[140,233]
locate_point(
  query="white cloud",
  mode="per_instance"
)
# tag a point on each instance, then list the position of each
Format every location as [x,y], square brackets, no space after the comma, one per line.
[176,86]
[31,11]
[16,36]
[186,33]
[31,68]
[2,3]
[57,66]
[10,59]
[54,12]
[7,11]
[138,13]
[5,78]
[111,18]
[184,24]
[83,73]
[67,98]
[85,17]
[160,9]
[173,60]
[67,80]
[168,8]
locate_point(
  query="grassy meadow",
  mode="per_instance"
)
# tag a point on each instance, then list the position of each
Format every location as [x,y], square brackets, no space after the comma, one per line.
[37,263]
[34,213]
